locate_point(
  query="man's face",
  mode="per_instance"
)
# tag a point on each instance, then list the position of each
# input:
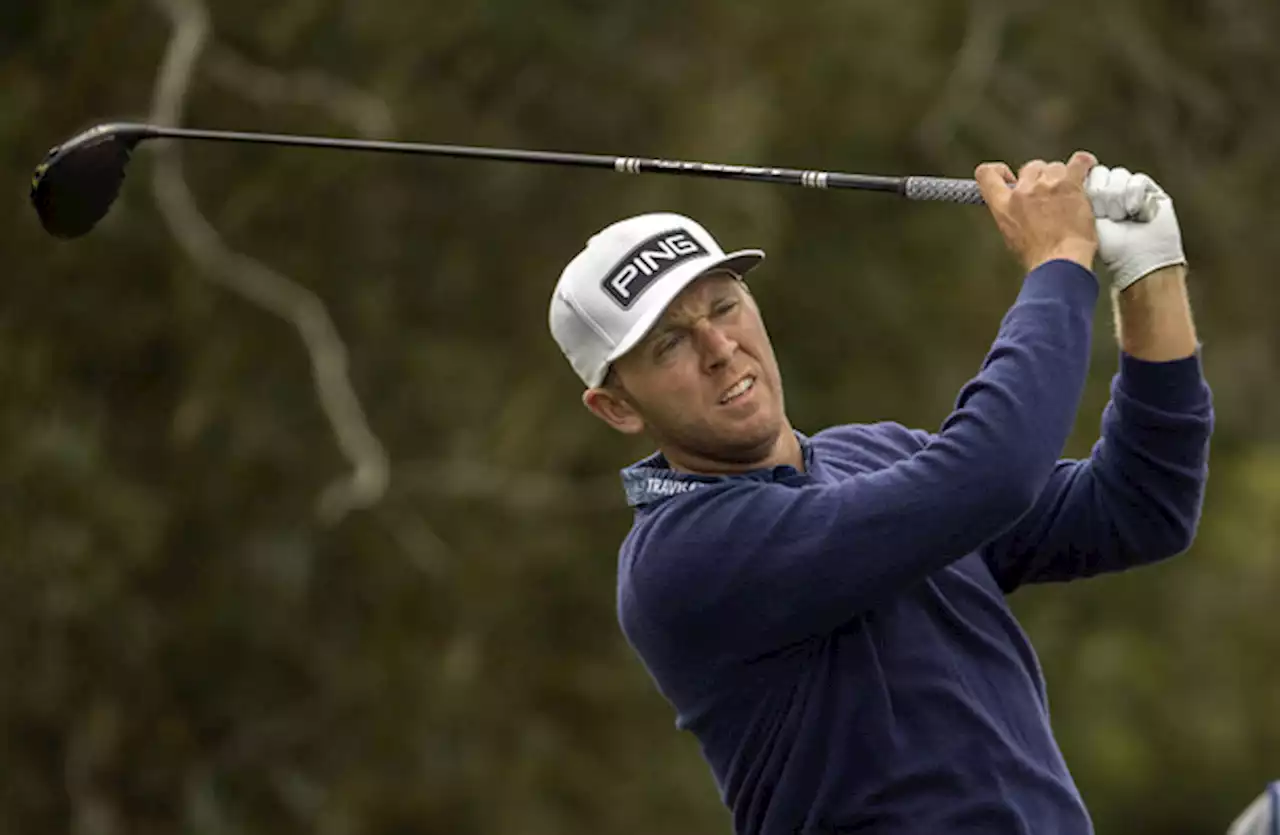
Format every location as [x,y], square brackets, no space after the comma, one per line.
[704,383]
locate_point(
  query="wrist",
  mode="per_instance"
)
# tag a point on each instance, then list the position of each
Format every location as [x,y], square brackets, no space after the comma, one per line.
[1153,317]
[1079,252]
[1156,280]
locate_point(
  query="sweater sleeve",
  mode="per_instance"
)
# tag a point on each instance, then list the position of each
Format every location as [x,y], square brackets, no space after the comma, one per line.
[1136,499]
[759,564]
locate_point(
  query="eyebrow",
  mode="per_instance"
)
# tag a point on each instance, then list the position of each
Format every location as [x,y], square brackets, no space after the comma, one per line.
[665,326]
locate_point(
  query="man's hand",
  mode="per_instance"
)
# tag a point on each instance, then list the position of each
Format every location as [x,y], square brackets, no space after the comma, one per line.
[1141,245]
[1137,228]
[1045,215]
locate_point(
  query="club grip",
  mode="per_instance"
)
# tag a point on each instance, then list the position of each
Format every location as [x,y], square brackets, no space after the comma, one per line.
[943,189]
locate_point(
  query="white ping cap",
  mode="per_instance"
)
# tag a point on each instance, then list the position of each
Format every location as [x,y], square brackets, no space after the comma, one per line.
[614,291]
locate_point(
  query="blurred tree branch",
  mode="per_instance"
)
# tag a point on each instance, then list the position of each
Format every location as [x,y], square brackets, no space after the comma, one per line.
[91,741]
[1165,78]
[975,63]
[513,490]
[250,278]
[264,86]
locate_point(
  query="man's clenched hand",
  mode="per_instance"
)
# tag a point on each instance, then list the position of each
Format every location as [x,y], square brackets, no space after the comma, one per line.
[1137,228]
[1043,213]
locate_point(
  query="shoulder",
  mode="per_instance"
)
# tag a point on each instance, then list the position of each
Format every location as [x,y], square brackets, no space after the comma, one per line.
[686,520]
[662,558]
[675,544]
[884,437]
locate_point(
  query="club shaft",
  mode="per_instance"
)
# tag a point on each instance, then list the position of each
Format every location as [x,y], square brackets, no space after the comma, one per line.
[942,189]
[627,165]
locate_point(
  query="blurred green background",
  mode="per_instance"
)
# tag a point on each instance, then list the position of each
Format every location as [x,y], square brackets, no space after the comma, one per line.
[193,639]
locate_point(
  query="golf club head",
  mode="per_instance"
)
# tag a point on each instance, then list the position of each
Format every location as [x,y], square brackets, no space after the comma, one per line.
[75,185]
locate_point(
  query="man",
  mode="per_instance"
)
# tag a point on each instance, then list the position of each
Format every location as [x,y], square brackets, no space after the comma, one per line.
[827,614]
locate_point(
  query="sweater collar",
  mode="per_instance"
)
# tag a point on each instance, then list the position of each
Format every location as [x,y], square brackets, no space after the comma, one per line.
[651,480]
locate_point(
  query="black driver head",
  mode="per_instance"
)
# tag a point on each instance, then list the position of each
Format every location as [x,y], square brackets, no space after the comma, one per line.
[79,180]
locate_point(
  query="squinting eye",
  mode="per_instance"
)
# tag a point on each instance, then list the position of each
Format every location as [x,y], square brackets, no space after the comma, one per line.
[724,307]
[665,345]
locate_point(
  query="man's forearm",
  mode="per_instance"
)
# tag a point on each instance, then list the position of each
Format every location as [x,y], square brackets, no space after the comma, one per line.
[1153,317]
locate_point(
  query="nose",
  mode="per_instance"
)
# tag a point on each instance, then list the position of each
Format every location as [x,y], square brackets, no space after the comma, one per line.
[718,346]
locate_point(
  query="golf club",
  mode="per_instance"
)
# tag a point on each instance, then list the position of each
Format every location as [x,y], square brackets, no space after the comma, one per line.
[75,185]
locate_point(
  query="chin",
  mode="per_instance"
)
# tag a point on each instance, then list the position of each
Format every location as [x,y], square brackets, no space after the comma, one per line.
[753,442]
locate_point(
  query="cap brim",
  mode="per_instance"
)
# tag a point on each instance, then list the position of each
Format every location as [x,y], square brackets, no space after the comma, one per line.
[740,263]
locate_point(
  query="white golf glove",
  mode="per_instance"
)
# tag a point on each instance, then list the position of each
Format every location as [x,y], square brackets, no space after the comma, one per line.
[1137,228]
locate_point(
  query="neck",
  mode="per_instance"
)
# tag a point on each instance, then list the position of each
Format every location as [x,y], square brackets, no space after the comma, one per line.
[783,451]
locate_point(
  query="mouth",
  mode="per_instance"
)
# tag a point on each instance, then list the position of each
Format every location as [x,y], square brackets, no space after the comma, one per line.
[738,390]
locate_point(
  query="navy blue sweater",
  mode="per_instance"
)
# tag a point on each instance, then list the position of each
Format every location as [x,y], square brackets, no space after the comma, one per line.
[837,638]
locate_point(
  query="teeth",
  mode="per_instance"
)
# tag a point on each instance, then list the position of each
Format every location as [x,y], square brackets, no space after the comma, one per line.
[741,388]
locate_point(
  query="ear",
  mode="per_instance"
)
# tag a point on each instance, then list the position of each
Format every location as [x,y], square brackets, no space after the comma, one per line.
[613,408]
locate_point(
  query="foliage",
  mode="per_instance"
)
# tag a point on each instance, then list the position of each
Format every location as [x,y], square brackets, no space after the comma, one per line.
[187,648]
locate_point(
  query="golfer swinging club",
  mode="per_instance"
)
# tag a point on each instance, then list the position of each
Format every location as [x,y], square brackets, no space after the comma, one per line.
[827,614]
